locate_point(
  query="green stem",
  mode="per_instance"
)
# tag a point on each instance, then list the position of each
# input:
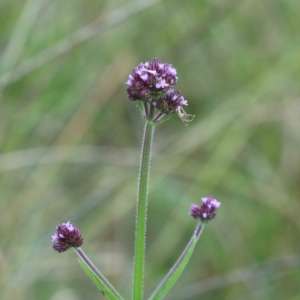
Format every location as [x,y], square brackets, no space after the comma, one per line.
[107,288]
[178,267]
[141,213]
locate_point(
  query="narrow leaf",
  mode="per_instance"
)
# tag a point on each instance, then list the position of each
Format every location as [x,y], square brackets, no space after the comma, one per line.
[178,267]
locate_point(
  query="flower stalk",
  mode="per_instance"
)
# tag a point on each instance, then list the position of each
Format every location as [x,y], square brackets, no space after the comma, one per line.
[174,273]
[141,213]
[100,280]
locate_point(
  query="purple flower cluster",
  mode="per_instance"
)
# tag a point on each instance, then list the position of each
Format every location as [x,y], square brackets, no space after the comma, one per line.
[207,211]
[151,83]
[171,102]
[151,80]
[67,235]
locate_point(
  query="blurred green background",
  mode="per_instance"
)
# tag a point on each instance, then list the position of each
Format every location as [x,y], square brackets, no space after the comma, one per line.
[70,143]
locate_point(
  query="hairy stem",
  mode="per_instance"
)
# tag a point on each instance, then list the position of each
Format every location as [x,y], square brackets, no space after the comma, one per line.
[83,257]
[178,267]
[141,213]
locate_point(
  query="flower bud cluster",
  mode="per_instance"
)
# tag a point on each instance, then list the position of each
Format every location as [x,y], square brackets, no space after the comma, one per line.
[171,102]
[67,235]
[151,83]
[207,211]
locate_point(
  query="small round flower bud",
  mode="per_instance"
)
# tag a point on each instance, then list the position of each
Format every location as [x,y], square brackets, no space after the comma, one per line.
[207,211]
[67,235]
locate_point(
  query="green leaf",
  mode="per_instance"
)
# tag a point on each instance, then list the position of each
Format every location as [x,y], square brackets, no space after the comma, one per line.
[101,285]
[178,267]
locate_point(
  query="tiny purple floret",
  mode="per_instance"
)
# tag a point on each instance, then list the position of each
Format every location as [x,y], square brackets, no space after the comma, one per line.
[207,211]
[67,235]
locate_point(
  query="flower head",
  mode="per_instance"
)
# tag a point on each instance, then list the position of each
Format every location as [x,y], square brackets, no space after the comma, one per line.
[171,102]
[150,80]
[67,235]
[207,211]
[152,85]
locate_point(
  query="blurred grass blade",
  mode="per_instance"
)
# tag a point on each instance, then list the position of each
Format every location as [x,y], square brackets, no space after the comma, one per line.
[101,282]
[178,267]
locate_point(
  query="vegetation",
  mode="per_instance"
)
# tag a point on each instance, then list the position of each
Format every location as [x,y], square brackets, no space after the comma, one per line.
[70,143]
